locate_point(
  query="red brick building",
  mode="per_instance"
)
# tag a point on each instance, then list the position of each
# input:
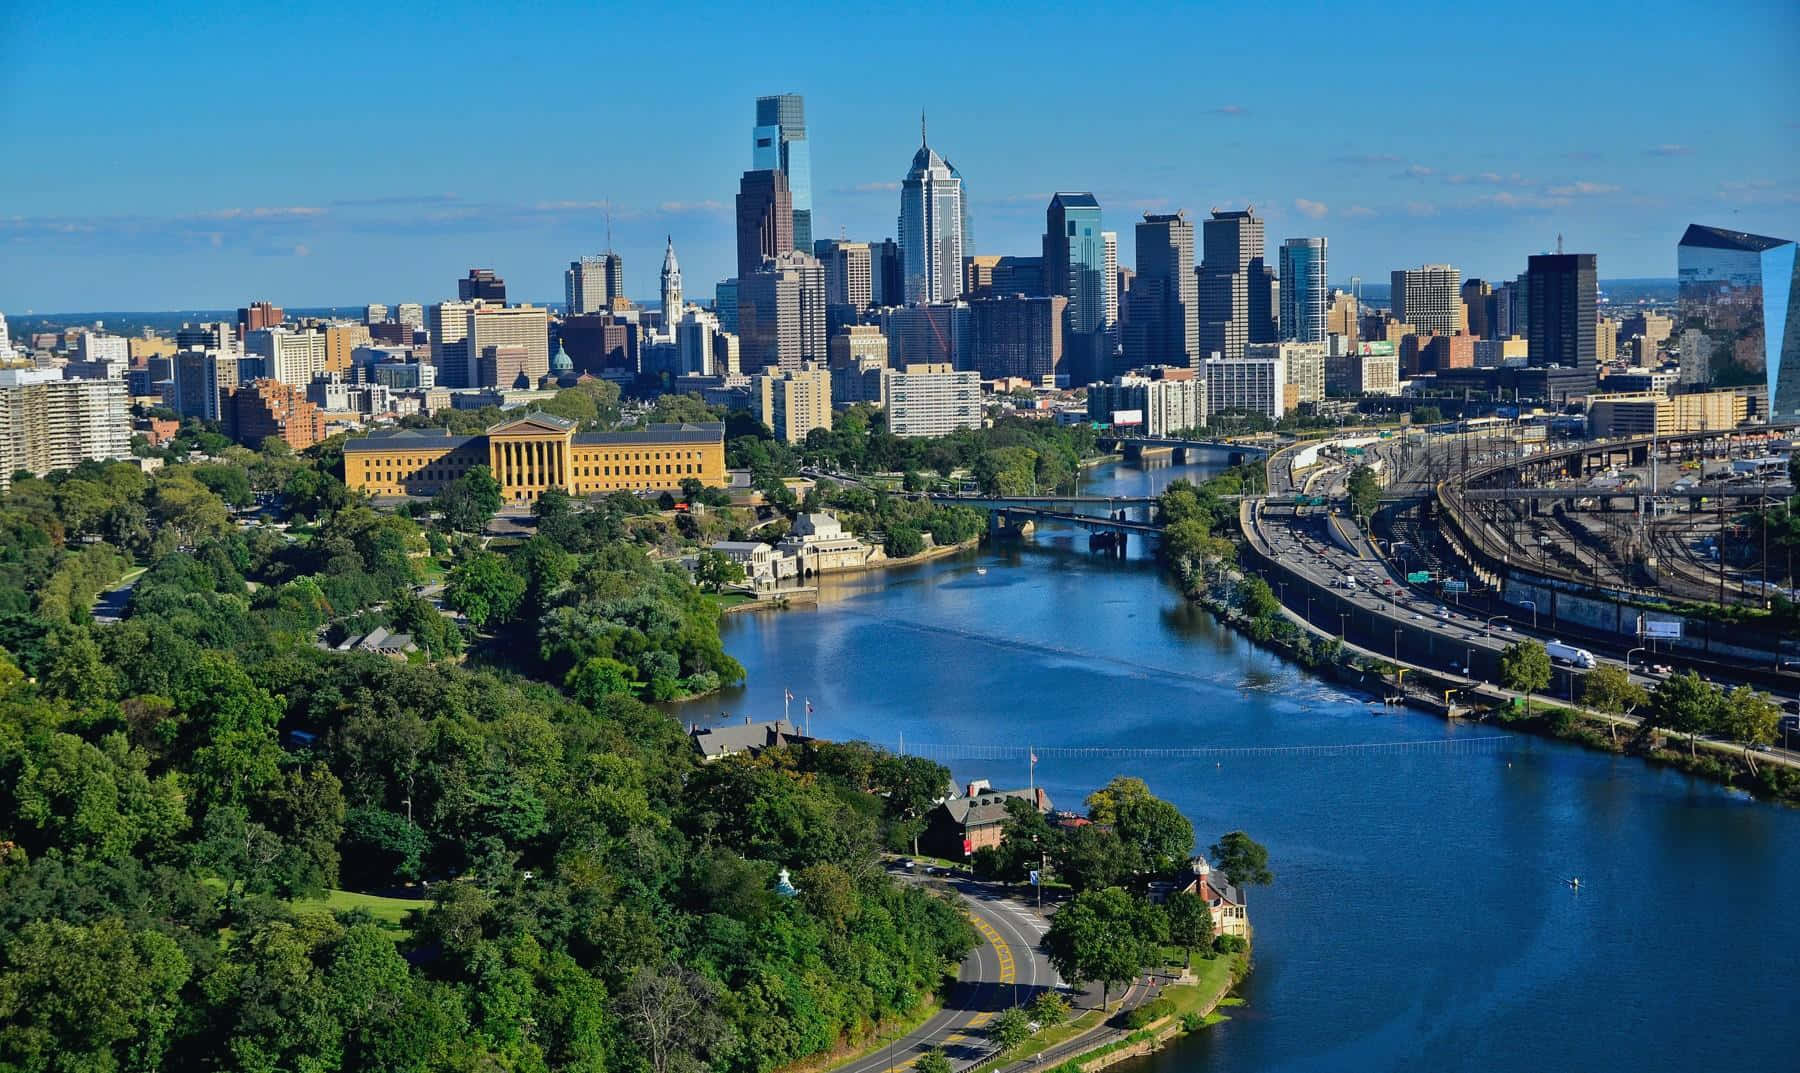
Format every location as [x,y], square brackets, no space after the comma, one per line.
[267,408]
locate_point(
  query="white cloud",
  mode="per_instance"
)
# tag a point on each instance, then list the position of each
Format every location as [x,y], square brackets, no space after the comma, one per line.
[1358,211]
[1421,208]
[677,207]
[1314,209]
[1418,171]
[1582,188]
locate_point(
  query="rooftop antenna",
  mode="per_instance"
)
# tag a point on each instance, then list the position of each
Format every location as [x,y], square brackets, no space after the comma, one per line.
[1559,243]
[922,140]
[609,246]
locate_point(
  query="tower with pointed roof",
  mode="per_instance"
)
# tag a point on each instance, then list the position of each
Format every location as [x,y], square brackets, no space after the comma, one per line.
[671,288]
[932,232]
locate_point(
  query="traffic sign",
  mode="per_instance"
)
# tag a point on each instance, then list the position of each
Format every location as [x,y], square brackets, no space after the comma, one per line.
[1034,877]
[1419,577]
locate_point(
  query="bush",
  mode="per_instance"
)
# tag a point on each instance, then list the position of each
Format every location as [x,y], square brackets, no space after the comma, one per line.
[903,541]
[1154,1010]
[1230,944]
[1193,1021]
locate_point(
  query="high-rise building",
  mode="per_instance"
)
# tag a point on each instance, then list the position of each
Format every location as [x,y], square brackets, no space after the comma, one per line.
[584,286]
[99,347]
[940,334]
[849,273]
[1164,317]
[1478,307]
[288,356]
[265,408]
[887,274]
[481,285]
[1172,401]
[1004,274]
[1249,385]
[1109,242]
[48,423]
[603,344]
[932,232]
[341,341]
[498,326]
[725,304]
[1303,365]
[411,314]
[256,316]
[697,340]
[671,288]
[1564,293]
[858,358]
[1304,294]
[1363,369]
[1341,315]
[765,219]
[931,400]
[201,377]
[793,402]
[1012,335]
[1075,259]
[1236,294]
[781,313]
[1427,298]
[374,313]
[1744,291]
[780,145]
[448,325]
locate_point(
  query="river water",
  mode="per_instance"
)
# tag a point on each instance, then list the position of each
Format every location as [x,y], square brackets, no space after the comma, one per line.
[1420,918]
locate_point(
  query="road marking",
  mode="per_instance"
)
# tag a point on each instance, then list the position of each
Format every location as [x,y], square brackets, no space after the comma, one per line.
[1008,971]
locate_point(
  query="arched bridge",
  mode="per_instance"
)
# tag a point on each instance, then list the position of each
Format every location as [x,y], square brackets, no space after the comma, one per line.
[1181,450]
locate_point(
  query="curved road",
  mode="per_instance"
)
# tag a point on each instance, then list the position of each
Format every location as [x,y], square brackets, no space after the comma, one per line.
[1008,968]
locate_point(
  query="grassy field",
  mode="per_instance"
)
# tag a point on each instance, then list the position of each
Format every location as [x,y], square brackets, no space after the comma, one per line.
[390,913]
[1046,1038]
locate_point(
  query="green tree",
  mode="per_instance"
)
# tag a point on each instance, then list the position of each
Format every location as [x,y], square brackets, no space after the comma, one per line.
[93,997]
[903,541]
[1159,835]
[485,588]
[1749,718]
[1525,666]
[1685,704]
[1365,491]
[1608,688]
[674,1019]
[1190,922]
[714,570]
[1243,859]
[470,501]
[1049,1009]
[932,1061]
[1011,1027]
[1099,935]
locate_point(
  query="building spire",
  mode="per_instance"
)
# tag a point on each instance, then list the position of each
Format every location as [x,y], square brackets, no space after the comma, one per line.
[922,140]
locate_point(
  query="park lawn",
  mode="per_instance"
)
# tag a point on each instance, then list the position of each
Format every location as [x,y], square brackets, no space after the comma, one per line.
[390,913]
[1210,975]
[1045,1038]
[733,599]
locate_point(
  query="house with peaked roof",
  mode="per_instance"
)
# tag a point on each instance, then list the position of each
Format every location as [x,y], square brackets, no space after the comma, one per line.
[730,739]
[1224,899]
[960,825]
[535,452]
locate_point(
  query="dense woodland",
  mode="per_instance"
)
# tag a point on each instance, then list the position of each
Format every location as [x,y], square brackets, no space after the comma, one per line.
[176,788]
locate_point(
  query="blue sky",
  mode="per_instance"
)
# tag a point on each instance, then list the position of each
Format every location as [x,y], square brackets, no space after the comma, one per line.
[210,154]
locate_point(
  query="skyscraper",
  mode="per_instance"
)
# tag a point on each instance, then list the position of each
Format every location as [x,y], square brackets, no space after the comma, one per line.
[1230,269]
[1428,298]
[671,288]
[765,219]
[780,145]
[1109,241]
[448,325]
[781,313]
[1304,295]
[481,285]
[1564,295]
[1478,304]
[1013,335]
[1075,258]
[584,286]
[931,227]
[887,274]
[849,272]
[1743,291]
[1164,326]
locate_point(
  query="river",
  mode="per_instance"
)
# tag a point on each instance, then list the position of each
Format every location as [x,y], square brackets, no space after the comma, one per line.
[1420,918]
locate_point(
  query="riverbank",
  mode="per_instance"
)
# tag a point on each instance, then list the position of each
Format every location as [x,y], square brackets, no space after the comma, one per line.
[776,599]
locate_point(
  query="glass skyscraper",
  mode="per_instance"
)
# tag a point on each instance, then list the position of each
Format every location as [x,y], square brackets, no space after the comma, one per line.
[1744,290]
[1075,259]
[932,231]
[780,145]
[1303,292]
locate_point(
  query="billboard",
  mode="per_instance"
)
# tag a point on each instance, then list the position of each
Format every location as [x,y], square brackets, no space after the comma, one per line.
[1663,629]
[1376,347]
[1127,417]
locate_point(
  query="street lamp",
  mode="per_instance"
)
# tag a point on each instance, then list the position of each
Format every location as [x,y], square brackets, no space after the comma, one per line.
[1533,605]
[1343,625]
[1397,645]
[1487,630]
[1639,648]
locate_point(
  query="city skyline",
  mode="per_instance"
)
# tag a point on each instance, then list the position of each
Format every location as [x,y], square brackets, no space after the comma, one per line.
[341,202]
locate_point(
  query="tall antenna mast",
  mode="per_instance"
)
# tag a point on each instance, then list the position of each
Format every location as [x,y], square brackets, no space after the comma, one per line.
[609,245]
[1559,243]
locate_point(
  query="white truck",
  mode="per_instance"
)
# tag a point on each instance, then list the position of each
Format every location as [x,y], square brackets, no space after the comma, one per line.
[1570,655]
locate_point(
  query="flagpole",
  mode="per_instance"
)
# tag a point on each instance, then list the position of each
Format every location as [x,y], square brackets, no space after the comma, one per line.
[787,697]
[1031,752]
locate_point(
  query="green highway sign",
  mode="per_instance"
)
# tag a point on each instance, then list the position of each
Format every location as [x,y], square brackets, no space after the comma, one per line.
[1418,577]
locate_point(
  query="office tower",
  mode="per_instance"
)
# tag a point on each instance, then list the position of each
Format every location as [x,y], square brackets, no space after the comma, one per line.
[929,334]
[932,232]
[1109,241]
[793,402]
[5,339]
[96,347]
[1744,290]
[1164,302]
[1341,315]
[288,356]
[201,377]
[765,219]
[1234,285]
[671,288]
[1478,307]
[411,314]
[1248,385]
[1564,298]
[887,274]
[1303,365]
[584,286]
[374,313]
[858,358]
[1012,335]
[931,399]
[220,335]
[698,344]
[1427,298]
[448,325]
[781,313]
[267,408]
[1075,259]
[1606,341]
[1172,401]
[1004,275]
[256,316]
[780,145]
[849,273]
[603,344]
[495,326]
[48,423]
[341,341]
[1304,295]
[1363,369]
[725,304]
[481,285]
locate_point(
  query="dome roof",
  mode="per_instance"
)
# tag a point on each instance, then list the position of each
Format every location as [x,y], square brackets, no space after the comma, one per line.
[560,362]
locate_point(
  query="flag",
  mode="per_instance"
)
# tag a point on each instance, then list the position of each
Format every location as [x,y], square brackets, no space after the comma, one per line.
[790,694]
[809,708]
[1034,758]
